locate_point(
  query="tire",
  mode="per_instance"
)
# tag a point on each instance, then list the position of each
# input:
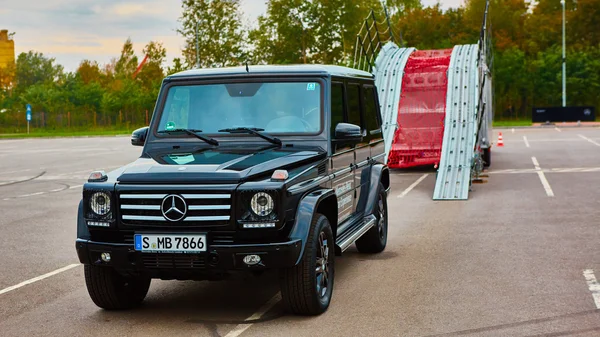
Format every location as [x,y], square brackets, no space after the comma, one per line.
[112,291]
[307,288]
[375,240]
[487,157]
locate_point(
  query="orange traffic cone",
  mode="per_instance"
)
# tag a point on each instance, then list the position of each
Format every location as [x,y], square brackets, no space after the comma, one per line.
[500,141]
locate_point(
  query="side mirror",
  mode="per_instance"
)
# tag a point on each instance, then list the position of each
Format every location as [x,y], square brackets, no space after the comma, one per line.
[138,137]
[345,132]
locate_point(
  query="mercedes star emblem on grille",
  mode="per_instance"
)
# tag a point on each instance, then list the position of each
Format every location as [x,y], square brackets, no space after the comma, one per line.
[173,207]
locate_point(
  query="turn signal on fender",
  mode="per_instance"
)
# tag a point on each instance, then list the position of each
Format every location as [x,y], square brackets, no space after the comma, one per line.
[280,175]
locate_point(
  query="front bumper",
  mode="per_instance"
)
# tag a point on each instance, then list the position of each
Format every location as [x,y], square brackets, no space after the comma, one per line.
[218,258]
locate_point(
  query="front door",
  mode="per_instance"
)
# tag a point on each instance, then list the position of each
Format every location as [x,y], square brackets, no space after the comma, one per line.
[342,159]
[362,149]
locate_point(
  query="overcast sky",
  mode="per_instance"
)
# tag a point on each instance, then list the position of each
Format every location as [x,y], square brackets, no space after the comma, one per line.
[73,30]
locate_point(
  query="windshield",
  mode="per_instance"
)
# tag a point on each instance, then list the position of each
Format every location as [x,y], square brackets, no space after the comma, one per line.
[276,107]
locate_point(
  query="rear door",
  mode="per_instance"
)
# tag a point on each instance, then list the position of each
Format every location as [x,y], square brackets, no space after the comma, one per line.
[372,118]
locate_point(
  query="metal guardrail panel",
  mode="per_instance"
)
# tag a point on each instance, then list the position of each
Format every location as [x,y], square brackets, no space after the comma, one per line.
[460,129]
[389,70]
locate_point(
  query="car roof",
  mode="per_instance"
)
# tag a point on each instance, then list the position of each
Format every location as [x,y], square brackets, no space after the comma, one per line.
[301,69]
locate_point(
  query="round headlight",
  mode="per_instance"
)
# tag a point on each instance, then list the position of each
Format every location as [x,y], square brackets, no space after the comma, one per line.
[262,204]
[100,203]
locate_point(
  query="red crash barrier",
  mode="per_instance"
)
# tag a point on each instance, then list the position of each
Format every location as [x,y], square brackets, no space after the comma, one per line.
[422,109]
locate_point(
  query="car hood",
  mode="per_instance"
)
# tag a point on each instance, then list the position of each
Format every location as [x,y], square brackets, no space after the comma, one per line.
[215,165]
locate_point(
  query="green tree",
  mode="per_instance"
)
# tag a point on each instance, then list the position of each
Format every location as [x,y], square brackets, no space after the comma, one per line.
[511,88]
[284,34]
[176,67]
[152,72]
[89,71]
[34,68]
[220,32]
[336,23]
[127,63]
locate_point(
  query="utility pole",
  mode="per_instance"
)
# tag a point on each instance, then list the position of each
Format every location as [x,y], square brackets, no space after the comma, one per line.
[197,45]
[564,58]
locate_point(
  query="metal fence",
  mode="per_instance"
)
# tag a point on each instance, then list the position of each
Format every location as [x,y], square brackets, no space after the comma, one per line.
[41,121]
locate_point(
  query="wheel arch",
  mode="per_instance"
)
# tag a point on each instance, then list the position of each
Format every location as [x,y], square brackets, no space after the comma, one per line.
[321,200]
[380,174]
[82,229]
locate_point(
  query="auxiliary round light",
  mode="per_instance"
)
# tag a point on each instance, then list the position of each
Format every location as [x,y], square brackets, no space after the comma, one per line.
[105,257]
[262,204]
[100,203]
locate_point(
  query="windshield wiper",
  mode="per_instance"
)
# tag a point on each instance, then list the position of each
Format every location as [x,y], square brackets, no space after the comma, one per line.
[254,131]
[192,132]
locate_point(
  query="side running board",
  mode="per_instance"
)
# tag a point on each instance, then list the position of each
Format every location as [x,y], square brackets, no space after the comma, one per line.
[354,233]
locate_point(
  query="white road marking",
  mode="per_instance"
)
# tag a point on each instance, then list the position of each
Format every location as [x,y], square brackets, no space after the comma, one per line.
[510,171]
[42,193]
[557,129]
[17,171]
[593,285]
[589,140]
[526,141]
[409,188]
[552,170]
[555,140]
[30,194]
[543,179]
[39,278]
[240,328]
[513,130]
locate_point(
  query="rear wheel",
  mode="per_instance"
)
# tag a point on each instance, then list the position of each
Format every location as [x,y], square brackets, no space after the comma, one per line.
[111,290]
[487,157]
[307,288]
[375,240]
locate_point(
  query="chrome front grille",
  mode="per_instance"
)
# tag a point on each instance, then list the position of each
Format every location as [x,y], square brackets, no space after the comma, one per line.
[211,208]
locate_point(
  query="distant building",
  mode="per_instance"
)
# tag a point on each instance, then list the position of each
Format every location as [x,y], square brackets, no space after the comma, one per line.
[7,58]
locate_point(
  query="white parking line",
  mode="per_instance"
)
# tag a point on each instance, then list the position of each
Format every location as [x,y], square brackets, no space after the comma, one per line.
[526,141]
[543,179]
[513,130]
[589,140]
[39,278]
[240,328]
[403,194]
[551,170]
[593,285]
[557,129]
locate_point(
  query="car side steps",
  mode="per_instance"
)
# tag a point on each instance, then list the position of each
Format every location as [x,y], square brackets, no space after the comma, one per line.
[355,232]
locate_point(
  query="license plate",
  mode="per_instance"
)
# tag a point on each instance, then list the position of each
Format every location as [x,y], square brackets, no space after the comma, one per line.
[170,243]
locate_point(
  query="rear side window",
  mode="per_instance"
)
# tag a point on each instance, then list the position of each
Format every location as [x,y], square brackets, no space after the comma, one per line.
[337,106]
[353,92]
[371,114]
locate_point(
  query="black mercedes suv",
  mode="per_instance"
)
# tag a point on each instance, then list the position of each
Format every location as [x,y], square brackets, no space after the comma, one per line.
[242,169]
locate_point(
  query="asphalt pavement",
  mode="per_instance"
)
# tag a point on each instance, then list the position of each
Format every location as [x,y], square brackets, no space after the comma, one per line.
[519,258]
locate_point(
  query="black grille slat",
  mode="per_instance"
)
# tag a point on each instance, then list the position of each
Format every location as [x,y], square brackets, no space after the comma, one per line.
[222,239]
[173,261]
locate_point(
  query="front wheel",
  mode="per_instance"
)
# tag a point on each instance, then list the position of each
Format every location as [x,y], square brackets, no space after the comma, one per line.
[111,290]
[307,288]
[375,240]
